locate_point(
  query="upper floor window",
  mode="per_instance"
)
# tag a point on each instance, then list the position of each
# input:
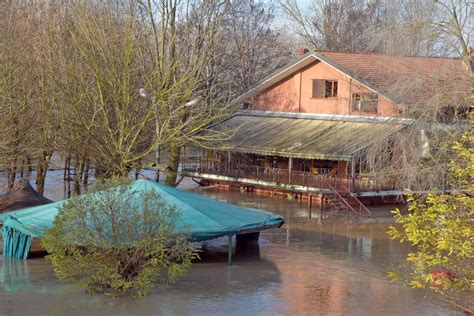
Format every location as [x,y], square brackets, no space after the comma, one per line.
[324,88]
[365,102]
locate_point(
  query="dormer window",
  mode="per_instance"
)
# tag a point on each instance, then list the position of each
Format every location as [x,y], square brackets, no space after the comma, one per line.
[324,88]
[365,102]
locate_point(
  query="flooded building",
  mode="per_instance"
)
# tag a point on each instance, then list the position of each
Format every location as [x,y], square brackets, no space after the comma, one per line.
[304,128]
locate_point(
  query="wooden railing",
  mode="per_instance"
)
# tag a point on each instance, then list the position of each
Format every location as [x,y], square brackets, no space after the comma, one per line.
[357,206]
[275,175]
[372,182]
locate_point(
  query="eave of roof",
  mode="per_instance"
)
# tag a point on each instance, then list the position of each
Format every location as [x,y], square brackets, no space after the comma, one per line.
[299,64]
[278,75]
[307,136]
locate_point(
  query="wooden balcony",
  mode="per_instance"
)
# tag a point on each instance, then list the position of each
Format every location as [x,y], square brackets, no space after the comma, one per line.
[281,178]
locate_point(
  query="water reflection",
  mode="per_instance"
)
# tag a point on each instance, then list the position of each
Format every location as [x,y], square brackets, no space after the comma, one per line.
[323,264]
[13,274]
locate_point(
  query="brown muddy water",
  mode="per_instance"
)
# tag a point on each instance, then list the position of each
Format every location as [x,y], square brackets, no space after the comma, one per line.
[334,264]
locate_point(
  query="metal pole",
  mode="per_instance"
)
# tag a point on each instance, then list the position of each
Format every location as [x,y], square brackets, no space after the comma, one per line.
[229,251]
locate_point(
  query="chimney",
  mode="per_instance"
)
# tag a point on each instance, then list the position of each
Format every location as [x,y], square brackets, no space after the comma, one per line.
[302,51]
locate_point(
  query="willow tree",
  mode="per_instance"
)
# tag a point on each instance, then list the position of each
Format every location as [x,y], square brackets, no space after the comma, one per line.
[28,94]
[440,228]
[103,111]
[25,94]
[182,38]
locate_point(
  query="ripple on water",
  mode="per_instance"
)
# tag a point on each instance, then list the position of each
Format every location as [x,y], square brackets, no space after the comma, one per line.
[323,265]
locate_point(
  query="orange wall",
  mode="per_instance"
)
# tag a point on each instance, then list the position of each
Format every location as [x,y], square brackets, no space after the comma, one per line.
[294,94]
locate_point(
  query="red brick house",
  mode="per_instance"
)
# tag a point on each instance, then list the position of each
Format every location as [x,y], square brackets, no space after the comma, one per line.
[305,126]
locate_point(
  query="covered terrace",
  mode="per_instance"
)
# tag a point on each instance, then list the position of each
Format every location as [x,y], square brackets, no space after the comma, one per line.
[294,151]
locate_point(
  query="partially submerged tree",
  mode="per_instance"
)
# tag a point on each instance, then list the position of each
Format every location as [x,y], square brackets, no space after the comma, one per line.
[16,90]
[441,228]
[28,100]
[182,41]
[103,109]
[118,241]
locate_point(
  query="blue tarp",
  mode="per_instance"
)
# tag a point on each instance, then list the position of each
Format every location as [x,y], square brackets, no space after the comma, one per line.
[204,217]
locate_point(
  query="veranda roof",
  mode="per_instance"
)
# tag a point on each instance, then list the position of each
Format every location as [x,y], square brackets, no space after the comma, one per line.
[206,218]
[307,136]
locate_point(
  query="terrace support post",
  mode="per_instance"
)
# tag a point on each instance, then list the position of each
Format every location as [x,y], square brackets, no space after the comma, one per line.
[229,251]
[353,171]
[290,166]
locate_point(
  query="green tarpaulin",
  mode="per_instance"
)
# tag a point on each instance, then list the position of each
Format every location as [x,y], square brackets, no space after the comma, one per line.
[206,218]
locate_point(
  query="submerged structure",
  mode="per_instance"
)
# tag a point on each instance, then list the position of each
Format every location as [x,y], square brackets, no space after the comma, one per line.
[303,130]
[22,195]
[204,217]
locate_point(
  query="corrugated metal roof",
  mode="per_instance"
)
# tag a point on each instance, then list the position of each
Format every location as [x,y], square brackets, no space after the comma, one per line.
[308,137]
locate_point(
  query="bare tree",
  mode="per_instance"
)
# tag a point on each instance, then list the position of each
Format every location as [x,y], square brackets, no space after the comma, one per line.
[26,95]
[103,112]
[346,25]
[401,27]
[251,46]
[182,41]
[406,28]
[456,22]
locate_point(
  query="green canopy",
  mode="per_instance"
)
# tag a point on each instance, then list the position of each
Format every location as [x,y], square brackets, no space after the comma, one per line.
[206,218]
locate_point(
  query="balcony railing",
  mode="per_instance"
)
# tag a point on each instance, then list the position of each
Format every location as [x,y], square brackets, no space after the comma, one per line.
[284,176]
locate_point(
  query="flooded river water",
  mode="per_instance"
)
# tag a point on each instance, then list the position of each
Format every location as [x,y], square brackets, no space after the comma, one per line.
[313,265]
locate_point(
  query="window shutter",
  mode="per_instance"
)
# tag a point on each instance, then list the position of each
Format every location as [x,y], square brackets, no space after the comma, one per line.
[371,101]
[319,88]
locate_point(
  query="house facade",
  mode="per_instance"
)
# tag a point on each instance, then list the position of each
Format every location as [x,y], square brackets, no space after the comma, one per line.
[320,88]
[305,127]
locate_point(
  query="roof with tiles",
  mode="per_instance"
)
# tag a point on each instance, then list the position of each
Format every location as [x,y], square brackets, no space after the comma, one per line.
[404,80]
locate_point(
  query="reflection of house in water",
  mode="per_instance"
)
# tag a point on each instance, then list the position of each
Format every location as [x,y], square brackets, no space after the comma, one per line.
[305,128]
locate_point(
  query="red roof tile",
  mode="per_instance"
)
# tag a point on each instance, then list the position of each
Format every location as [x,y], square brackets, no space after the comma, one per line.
[406,79]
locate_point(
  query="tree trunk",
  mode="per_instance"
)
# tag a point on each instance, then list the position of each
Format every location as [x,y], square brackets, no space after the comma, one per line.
[23,167]
[66,166]
[29,164]
[79,168]
[11,175]
[42,170]
[174,157]
[87,166]
[67,176]
[100,170]
[138,167]
[39,178]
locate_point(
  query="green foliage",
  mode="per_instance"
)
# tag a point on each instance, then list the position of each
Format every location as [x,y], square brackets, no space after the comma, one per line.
[117,241]
[440,226]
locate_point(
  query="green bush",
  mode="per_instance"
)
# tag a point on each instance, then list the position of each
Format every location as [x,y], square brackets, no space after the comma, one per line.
[117,241]
[440,226]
